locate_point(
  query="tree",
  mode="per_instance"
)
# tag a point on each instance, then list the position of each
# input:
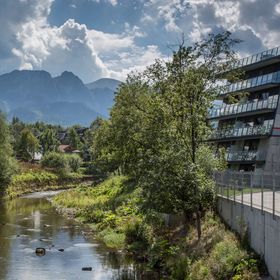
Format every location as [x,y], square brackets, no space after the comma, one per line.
[74,139]
[158,127]
[27,146]
[48,140]
[7,162]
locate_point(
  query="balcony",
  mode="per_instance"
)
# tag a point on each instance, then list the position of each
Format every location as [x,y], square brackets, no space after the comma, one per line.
[260,82]
[245,156]
[264,58]
[262,106]
[245,132]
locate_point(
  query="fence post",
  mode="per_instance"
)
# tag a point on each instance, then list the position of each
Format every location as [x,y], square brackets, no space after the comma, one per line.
[234,187]
[273,195]
[251,189]
[262,175]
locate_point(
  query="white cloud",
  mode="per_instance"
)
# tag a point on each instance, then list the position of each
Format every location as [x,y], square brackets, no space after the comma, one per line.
[89,53]
[112,2]
[136,60]
[170,11]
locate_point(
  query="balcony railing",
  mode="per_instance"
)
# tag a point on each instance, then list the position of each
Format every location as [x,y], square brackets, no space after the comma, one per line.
[265,55]
[271,78]
[248,131]
[245,156]
[228,110]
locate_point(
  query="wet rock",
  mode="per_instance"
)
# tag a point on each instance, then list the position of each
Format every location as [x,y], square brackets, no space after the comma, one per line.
[87,268]
[60,250]
[18,235]
[45,239]
[40,252]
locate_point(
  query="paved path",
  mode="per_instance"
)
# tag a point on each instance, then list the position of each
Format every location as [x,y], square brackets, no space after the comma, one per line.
[257,201]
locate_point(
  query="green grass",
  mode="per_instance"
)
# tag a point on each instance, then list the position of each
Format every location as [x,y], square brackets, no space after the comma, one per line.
[32,180]
[109,206]
[113,210]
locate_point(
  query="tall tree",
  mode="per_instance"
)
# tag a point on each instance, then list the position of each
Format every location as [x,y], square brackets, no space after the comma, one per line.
[28,145]
[48,140]
[74,139]
[7,162]
[158,127]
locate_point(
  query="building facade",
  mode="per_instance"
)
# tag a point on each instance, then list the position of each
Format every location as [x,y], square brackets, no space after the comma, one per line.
[249,129]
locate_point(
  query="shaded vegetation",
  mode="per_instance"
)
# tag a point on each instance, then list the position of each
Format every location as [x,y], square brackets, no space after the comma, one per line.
[114,211]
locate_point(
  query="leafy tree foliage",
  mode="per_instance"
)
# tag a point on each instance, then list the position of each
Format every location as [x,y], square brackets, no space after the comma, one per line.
[27,146]
[48,141]
[74,139]
[62,163]
[7,162]
[158,127]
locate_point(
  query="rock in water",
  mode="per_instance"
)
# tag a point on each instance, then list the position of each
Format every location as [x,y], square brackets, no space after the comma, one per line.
[89,268]
[40,252]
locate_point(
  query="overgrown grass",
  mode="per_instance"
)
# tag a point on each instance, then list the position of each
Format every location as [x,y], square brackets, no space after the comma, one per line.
[33,178]
[113,209]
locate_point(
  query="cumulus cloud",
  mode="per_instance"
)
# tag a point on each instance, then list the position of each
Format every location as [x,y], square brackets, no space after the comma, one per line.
[29,41]
[166,10]
[254,21]
[136,60]
[74,47]
[112,2]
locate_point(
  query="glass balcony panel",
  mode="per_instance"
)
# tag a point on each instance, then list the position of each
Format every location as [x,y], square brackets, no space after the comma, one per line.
[245,155]
[270,103]
[253,82]
[263,129]
[257,57]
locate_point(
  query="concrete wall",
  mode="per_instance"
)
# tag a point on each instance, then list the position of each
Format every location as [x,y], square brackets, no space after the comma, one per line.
[263,230]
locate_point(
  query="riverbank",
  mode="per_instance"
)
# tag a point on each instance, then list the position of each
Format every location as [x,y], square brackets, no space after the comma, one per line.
[114,211]
[36,179]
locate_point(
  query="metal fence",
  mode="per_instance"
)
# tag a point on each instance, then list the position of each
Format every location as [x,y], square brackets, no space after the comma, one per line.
[257,189]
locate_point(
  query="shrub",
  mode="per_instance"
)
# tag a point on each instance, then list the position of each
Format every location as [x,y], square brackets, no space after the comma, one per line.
[224,258]
[55,160]
[112,239]
[200,271]
[74,162]
[61,162]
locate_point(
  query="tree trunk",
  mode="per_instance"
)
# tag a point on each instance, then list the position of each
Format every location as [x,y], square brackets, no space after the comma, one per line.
[198,224]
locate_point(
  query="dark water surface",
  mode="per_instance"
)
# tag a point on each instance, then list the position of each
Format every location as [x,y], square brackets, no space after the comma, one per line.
[31,222]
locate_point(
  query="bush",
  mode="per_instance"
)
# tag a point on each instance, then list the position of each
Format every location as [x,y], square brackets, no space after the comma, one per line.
[74,162]
[112,239]
[54,160]
[61,162]
[225,256]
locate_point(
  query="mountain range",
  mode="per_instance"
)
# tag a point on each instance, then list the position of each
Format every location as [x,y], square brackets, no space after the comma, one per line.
[37,96]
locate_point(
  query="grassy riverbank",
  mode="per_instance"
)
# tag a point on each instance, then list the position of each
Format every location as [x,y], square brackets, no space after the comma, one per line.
[33,178]
[114,210]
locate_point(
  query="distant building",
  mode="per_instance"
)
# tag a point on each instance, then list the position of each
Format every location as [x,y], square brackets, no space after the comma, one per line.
[250,129]
[68,149]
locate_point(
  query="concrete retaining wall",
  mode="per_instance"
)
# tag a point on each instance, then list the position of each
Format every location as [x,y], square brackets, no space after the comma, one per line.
[263,230]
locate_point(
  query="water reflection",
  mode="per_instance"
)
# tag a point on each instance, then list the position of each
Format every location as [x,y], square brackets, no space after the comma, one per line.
[28,223]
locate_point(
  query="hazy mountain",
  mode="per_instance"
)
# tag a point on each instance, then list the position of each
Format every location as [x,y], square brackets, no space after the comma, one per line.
[103,92]
[112,84]
[36,96]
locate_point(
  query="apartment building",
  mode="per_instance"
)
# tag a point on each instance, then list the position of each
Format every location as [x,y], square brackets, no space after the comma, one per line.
[249,129]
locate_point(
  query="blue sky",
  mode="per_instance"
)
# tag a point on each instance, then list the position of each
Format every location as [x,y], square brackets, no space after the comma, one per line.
[111,38]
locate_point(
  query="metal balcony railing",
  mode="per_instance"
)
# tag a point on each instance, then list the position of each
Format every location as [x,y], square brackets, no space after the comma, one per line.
[256,130]
[271,78]
[234,109]
[264,55]
[245,156]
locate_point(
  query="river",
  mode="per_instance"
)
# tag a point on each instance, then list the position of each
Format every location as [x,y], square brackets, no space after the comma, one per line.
[30,222]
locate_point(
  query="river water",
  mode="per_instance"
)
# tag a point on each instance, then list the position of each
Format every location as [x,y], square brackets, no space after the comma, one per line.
[30,222]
